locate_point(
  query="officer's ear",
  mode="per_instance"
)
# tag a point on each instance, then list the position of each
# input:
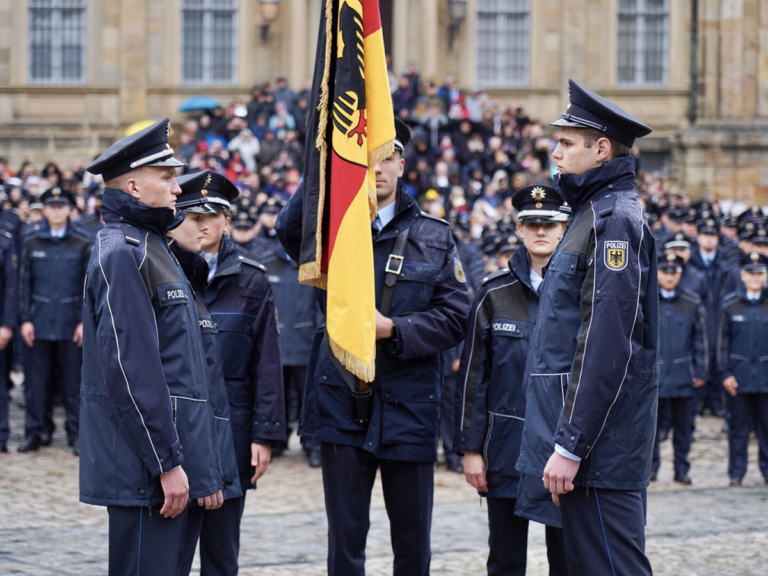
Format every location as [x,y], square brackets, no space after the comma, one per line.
[603,149]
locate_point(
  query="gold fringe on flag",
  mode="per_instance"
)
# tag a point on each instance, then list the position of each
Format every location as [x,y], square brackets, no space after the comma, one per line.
[366,372]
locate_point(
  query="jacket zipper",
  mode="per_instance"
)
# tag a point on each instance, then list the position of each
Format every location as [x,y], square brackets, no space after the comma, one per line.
[487,441]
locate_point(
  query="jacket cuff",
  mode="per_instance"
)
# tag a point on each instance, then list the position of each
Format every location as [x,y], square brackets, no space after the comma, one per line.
[469,439]
[267,432]
[396,340]
[173,459]
[569,437]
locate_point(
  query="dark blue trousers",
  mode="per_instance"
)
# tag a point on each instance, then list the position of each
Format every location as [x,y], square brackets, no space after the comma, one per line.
[43,359]
[681,416]
[604,532]
[348,476]
[5,429]
[219,535]
[748,412]
[143,543]
[508,542]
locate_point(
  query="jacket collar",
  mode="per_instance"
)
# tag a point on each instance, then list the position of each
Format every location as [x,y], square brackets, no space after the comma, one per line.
[45,230]
[617,175]
[118,207]
[195,267]
[521,266]
[229,258]
[406,212]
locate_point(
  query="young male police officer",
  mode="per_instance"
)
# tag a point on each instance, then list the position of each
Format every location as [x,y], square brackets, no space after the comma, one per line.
[147,428]
[429,304]
[591,389]
[53,267]
[242,307]
[490,397]
[683,361]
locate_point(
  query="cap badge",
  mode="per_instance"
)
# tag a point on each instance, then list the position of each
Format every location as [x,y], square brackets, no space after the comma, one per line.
[538,194]
[670,258]
[204,192]
[56,192]
[754,256]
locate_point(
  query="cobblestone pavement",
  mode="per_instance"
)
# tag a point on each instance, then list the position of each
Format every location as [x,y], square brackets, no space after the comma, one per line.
[706,529]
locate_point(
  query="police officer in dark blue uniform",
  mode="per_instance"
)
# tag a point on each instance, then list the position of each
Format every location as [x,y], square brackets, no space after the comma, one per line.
[242,231]
[591,384]
[242,308]
[428,312]
[299,315]
[712,261]
[9,320]
[186,247]
[54,262]
[742,354]
[147,424]
[490,398]
[683,361]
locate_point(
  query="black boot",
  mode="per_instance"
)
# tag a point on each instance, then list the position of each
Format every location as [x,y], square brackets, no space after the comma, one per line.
[30,444]
[314,458]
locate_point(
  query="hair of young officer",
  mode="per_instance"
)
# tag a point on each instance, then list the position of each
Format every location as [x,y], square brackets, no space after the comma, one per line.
[617,149]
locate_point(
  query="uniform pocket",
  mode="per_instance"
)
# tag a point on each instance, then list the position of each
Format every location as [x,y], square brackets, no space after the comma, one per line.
[334,399]
[193,425]
[226,450]
[235,343]
[414,288]
[502,446]
[410,413]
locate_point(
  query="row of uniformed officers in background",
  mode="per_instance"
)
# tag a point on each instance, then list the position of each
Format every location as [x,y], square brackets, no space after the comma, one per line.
[183,397]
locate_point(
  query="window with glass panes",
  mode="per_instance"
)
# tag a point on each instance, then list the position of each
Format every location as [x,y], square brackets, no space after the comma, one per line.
[57,40]
[643,43]
[503,43]
[209,41]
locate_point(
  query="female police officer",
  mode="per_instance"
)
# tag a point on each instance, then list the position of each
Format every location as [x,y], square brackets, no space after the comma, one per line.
[490,398]
[242,308]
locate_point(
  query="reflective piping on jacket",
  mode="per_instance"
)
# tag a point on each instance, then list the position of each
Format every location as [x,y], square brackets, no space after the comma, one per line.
[507,416]
[591,316]
[631,334]
[120,362]
[472,351]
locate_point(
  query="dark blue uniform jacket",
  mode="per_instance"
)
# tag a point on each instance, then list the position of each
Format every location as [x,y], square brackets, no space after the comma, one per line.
[196,270]
[52,275]
[683,351]
[9,281]
[717,278]
[297,306]
[145,406]
[429,310]
[742,347]
[490,407]
[591,375]
[242,306]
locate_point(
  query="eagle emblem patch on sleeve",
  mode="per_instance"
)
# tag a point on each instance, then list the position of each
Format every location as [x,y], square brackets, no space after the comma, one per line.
[458,270]
[616,254]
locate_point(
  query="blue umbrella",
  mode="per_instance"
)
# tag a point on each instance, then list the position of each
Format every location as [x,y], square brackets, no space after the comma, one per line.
[199,103]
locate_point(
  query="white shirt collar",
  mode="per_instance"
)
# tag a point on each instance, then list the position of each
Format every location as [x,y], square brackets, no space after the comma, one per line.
[752,297]
[666,293]
[59,233]
[386,214]
[536,280]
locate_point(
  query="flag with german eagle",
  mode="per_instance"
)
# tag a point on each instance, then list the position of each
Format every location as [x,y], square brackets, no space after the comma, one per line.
[351,128]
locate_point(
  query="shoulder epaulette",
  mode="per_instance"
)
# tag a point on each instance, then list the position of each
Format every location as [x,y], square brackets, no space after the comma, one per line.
[605,205]
[435,218]
[82,234]
[131,234]
[730,298]
[253,263]
[494,275]
[691,295]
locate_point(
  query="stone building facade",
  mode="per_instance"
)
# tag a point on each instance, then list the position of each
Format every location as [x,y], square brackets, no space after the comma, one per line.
[139,59]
